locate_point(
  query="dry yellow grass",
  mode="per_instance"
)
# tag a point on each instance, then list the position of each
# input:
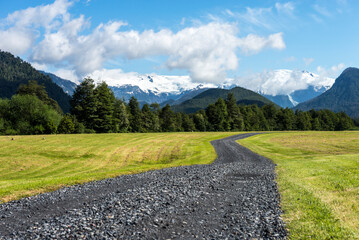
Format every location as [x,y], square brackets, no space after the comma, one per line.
[30,165]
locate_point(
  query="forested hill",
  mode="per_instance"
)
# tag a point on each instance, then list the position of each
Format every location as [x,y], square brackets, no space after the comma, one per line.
[202,100]
[14,71]
[343,96]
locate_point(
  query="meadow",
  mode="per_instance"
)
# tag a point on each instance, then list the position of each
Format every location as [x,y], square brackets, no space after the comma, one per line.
[317,172]
[31,165]
[318,179]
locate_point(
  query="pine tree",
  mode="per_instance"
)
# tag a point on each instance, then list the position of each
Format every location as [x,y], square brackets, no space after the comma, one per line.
[303,120]
[178,122]
[316,126]
[167,119]
[120,120]
[150,119]
[270,113]
[218,116]
[344,122]
[105,108]
[200,121]
[135,115]
[84,103]
[234,115]
[155,107]
[188,124]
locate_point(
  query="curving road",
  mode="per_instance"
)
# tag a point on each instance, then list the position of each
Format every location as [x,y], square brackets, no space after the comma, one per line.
[236,197]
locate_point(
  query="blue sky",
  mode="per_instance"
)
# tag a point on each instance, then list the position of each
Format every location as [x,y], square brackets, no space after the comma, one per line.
[207,40]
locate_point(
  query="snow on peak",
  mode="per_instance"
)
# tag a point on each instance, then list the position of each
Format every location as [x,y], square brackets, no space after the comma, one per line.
[147,82]
[295,103]
[284,81]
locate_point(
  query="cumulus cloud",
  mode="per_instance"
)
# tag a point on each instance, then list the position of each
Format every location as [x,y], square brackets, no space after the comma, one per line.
[16,40]
[253,44]
[206,51]
[67,74]
[333,71]
[283,82]
[20,29]
[43,15]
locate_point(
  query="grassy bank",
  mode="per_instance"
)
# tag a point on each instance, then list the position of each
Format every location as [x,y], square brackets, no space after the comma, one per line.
[30,165]
[318,178]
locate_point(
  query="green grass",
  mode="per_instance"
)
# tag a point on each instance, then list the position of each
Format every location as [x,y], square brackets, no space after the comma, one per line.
[30,165]
[318,179]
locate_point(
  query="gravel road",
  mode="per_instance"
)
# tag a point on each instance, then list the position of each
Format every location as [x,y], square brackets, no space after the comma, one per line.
[236,197]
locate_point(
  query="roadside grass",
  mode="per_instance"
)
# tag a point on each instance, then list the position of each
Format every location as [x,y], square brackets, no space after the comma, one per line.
[318,179]
[30,165]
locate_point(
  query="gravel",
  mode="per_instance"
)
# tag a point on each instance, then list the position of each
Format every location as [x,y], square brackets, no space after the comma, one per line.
[236,197]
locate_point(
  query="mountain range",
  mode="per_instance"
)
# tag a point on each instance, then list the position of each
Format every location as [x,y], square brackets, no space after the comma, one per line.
[173,90]
[343,96]
[14,72]
[288,88]
[184,95]
[66,85]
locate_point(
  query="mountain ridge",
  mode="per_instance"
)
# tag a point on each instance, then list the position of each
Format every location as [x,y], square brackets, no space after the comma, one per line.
[202,100]
[342,96]
[14,71]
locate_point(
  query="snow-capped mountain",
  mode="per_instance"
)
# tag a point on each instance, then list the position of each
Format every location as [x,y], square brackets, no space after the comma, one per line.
[341,97]
[287,88]
[149,88]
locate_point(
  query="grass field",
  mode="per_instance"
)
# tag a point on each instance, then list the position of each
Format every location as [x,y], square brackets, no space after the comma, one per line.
[318,178]
[30,165]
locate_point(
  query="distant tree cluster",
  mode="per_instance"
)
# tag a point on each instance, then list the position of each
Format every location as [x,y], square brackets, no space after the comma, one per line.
[99,111]
[94,109]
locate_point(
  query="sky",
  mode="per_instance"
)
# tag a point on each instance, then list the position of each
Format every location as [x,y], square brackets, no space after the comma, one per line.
[209,41]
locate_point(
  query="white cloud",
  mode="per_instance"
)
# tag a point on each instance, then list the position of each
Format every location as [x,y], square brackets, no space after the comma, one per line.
[253,44]
[322,10]
[260,17]
[287,8]
[20,29]
[42,67]
[282,82]
[16,41]
[67,74]
[206,51]
[308,61]
[333,71]
[41,16]
[271,18]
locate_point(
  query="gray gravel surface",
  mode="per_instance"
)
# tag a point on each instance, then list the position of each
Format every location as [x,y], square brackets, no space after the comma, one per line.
[236,197]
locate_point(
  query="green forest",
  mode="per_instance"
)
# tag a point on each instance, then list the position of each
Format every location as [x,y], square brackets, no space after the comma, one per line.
[14,72]
[94,109]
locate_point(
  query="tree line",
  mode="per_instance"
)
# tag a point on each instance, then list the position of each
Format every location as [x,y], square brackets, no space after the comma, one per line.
[94,109]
